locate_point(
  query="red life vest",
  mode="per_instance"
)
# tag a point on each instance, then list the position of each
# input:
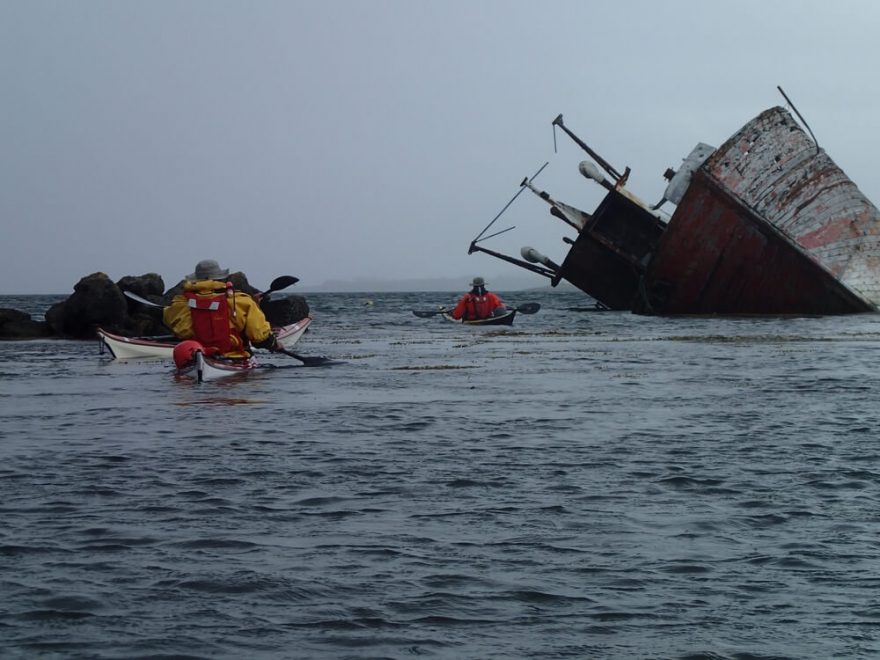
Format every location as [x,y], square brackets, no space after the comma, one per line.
[211,324]
[479,307]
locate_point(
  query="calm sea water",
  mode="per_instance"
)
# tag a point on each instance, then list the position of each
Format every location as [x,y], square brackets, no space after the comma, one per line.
[581,485]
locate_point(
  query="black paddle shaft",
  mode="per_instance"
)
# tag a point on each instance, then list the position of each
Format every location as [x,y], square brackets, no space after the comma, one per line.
[277,284]
[525,308]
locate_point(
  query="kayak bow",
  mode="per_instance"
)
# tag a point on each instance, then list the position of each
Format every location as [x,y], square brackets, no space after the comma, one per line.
[208,368]
[503,319]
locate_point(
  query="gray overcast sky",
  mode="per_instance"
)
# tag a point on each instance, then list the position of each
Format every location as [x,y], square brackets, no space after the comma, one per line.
[374,139]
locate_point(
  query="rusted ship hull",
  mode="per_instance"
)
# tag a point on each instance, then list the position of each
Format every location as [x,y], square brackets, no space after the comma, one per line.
[607,260]
[719,257]
[767,224]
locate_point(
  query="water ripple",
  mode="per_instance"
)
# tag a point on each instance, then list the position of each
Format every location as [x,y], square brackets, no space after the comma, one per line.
[583,485]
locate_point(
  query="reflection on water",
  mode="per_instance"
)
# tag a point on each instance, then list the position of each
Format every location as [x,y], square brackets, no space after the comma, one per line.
[582,484]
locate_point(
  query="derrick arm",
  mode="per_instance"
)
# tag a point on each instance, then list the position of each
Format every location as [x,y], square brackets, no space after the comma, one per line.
[535,268]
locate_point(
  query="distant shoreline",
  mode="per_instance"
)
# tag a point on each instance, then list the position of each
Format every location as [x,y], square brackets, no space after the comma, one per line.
[319,290]
[447,285]
[561,288]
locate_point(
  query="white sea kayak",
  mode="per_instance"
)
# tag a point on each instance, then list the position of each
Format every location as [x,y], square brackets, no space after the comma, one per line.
[127,348]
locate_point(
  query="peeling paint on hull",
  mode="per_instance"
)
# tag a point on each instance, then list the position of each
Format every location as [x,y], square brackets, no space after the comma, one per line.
[768,225]
[718,257]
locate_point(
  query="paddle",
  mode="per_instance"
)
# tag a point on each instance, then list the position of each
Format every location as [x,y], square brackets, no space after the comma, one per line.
[144,301]
[311,361]
[526,308]
[529,308]
[424,314]
[277,284]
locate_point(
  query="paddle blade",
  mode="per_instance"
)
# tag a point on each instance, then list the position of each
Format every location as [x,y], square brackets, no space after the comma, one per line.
[319,361]
[143,301]
[312,360]
[282,283]
[422,314]
[529,308]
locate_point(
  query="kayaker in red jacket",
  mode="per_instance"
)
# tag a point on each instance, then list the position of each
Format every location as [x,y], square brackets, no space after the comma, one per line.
[478,303]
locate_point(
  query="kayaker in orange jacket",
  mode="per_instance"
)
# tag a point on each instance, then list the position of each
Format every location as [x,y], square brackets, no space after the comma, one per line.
[224,320]
[478,303]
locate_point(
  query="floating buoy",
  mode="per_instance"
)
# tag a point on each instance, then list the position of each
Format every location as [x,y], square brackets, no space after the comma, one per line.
[185,352]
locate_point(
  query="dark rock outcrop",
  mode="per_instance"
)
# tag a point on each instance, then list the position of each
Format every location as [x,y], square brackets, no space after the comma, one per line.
[98,301]
[144,319]
[284,311]
[147,286]
[12,315]
[19,325]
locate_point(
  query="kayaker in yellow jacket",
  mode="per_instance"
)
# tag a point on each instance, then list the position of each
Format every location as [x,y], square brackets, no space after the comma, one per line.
[222,319]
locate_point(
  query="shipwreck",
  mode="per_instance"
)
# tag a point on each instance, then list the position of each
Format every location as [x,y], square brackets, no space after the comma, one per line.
[765,224]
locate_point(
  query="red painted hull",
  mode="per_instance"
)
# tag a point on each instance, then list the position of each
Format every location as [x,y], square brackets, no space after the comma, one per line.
[768,225]
[719,257]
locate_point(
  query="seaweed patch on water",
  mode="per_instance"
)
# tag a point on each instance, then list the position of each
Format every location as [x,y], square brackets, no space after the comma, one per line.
[743,339]
[220,402]
[505,333]
[434,367]
[568,333]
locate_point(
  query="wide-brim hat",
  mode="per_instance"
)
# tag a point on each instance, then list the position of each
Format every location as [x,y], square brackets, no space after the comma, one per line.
[208,269]
[478,281]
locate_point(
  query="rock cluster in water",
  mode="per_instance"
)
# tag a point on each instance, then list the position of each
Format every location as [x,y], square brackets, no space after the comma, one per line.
[98,301]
